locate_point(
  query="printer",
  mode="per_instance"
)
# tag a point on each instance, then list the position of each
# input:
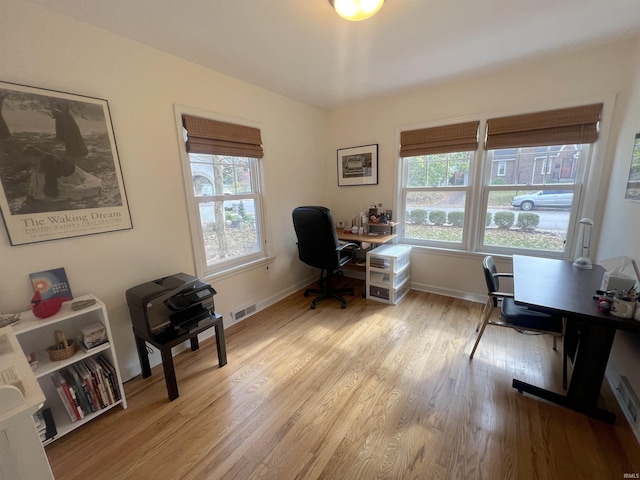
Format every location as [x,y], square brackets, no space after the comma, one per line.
[177,301]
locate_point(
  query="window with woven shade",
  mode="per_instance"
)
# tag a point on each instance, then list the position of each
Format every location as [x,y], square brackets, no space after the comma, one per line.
[499,184]
[535,162]
[221,165]
[435,186]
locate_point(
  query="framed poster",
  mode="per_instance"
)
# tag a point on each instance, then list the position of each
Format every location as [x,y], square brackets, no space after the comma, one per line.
[358,165]
[633,184]
[60,175]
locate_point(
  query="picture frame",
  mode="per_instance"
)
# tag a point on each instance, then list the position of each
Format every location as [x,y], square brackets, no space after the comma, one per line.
[61,175]
[633,183]
[358,165]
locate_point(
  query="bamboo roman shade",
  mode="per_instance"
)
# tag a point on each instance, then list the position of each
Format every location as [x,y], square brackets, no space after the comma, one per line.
[461,137]
[221,138]
[574,125]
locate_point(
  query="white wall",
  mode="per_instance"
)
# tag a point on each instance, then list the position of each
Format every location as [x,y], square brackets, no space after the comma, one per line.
[595,74]
[621,228]
[142,85]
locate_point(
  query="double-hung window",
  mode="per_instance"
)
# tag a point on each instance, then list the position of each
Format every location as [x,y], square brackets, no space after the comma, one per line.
[525,196]
[436,166]
[533,208]
[223,179]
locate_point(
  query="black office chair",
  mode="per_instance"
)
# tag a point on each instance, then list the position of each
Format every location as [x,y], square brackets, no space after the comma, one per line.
[515,316]
[319,247]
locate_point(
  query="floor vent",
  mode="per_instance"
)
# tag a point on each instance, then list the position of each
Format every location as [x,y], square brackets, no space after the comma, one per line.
[629,398]
[240,314]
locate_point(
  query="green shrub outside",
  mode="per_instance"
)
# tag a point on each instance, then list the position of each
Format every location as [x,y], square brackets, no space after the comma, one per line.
[456,219]
[504,220]
[418,216]
[528,221]
[438,217]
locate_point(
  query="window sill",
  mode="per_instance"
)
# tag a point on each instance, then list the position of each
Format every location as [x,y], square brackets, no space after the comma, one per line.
[238,269]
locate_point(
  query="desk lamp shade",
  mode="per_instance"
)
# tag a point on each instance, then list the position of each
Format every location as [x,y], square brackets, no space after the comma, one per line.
[583,261]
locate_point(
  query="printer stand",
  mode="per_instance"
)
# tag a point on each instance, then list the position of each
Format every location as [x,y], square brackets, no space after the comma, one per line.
[170,338]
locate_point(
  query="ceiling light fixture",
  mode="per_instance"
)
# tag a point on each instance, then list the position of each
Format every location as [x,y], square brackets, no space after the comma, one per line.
[356,10]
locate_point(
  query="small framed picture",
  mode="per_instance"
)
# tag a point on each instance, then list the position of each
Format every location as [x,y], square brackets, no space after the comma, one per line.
[358,165]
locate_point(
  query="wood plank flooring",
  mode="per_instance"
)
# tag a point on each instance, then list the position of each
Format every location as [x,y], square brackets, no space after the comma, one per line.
[370,392]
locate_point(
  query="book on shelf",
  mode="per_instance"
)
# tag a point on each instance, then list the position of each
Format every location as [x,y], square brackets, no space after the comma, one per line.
[112,376]
[98,376]
[74,394]
[81,388]
[85,376]
[51,284]
[45,425]
[65,396]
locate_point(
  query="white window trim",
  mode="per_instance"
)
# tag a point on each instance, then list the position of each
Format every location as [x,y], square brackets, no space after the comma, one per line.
[589,189]
[502,168]
[249,262]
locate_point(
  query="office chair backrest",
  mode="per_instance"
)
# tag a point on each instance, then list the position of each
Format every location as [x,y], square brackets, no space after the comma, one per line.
[493,283]
[317,239]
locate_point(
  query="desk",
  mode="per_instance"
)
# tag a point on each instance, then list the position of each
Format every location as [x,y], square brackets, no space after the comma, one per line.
[170,338]
[346,236]
[556,286]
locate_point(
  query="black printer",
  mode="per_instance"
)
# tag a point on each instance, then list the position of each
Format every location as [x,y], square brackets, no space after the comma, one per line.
[177,301]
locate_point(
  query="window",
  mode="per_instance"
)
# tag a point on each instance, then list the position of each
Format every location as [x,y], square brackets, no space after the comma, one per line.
[526,195]
[222,171]
[435,183]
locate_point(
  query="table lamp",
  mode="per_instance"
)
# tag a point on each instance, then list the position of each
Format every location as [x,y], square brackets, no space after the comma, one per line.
[583,261]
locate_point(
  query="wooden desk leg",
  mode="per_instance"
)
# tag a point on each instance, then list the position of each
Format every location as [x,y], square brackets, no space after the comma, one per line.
[169,373]
[194,343]
[141,346]
[221,344]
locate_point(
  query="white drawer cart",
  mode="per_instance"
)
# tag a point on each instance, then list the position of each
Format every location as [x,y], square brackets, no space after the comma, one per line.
[35,335]
[388,273]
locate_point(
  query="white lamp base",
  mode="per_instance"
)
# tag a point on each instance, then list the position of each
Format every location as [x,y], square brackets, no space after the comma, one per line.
[583,263]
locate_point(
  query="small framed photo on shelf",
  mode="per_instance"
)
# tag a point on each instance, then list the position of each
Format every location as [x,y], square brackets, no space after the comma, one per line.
[358,165]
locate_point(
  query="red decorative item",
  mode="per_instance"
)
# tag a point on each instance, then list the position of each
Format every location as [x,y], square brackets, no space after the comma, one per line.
[46,308]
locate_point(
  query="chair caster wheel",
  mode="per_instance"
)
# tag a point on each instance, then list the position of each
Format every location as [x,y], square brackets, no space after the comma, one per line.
[306,294]
[313,307]
[343,306]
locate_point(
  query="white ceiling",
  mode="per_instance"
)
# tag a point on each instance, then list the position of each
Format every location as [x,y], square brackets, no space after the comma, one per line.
[303,50]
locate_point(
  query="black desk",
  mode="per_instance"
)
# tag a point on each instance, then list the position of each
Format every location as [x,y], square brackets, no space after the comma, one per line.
[557,286]
[170,338]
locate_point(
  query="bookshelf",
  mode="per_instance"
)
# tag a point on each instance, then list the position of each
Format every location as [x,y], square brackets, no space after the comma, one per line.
[35,335]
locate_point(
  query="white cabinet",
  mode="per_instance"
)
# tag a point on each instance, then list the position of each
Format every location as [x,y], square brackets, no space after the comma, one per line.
[388,273]
[35,335]
[21,453]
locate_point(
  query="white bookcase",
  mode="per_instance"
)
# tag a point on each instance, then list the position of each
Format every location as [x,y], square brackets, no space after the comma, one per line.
[35,335]
[388,273]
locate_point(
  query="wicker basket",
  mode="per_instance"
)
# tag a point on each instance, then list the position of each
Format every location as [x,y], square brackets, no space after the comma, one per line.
[61,349]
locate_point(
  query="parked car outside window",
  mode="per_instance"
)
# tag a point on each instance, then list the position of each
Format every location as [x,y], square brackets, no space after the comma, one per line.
[544,198]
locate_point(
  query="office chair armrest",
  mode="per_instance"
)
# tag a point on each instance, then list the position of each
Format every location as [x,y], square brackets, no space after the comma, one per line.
[343,246]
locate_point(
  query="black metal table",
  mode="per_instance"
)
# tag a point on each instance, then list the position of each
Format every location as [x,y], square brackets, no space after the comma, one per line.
[556,286]
[170,338]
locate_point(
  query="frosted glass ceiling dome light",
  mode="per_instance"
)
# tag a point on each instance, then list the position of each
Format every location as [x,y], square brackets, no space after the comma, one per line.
[356,10]
[583,261]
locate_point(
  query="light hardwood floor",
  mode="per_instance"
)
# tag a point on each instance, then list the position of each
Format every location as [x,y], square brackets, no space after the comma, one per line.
[370,392]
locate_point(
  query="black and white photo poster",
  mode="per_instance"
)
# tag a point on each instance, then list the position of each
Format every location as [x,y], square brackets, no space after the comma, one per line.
[60,174]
